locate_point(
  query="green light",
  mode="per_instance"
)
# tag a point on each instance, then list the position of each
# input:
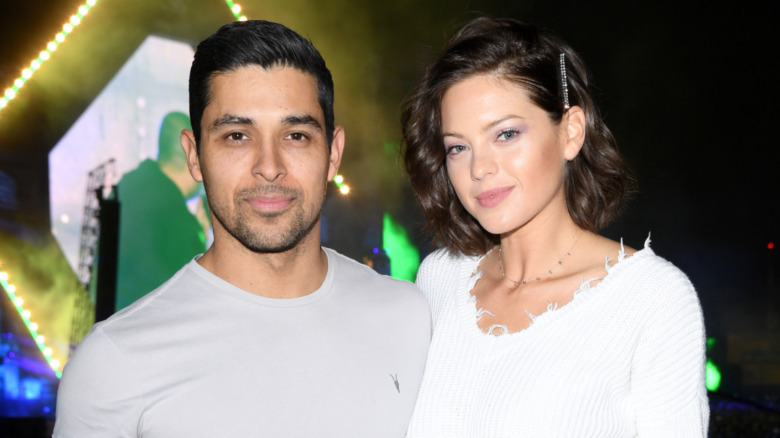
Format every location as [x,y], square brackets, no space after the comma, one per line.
[710,343]
[235,9]
[711,376]
[391,148]
[404,257]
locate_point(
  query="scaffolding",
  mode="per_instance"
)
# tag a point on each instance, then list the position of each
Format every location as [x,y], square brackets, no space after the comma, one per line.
[102,178]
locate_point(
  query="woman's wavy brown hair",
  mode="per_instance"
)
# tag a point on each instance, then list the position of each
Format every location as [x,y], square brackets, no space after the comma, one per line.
[596,181]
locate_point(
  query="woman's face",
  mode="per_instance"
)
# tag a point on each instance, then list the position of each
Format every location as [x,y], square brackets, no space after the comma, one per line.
[505,157]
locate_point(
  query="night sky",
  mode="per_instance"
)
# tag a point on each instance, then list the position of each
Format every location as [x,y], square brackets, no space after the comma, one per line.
[688,91]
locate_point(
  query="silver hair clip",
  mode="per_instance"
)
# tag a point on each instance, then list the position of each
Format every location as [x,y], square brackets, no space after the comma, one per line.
[564,82]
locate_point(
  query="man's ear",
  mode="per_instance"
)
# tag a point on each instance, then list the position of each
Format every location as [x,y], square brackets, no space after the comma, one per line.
[576,125]
[191,150]
[336,151]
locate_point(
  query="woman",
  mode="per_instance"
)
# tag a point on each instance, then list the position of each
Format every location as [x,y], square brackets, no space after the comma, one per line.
[542,327]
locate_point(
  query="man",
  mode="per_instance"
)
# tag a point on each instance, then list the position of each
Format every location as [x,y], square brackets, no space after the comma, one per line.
[267,333]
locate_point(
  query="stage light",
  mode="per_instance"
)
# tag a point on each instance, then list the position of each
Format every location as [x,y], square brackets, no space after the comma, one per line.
[83,10]
[67,28]
[44,55]
[770,245]
[18,83]
[26,314]
[236,9]
[60,37]
[344,189]
[34,326]
[74,20]
[47,351]
[9,94]
[338,179]
[18,300]
[52,46]
[3,102]
[35,64]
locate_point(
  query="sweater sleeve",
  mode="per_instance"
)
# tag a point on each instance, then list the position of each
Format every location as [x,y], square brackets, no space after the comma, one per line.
[99,394]
[667,381]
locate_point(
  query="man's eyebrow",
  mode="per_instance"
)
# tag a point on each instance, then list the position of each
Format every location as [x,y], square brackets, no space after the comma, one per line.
[302,120]
[230,119]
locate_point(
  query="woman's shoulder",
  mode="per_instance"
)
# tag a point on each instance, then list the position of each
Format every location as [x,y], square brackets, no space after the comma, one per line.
[442,263]
[655,276]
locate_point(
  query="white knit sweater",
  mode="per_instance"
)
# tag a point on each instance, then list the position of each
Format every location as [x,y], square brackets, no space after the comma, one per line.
[624,358]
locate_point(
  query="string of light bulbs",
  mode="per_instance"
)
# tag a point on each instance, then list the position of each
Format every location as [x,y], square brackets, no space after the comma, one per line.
[75,19]
[32,327]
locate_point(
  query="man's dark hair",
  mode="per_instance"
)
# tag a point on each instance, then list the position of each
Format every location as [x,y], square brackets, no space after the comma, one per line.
[596,180]
[261,43]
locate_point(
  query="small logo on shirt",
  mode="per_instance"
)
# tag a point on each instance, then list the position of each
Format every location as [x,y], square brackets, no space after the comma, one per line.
[395,381]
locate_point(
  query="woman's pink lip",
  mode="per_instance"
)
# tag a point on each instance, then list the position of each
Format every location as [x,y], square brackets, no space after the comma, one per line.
[269,203]
[493,197]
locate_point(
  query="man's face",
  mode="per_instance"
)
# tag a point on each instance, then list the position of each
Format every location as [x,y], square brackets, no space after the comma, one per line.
[264,158]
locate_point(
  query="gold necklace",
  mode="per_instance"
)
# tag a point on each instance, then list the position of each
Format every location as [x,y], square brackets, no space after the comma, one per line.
[538,277]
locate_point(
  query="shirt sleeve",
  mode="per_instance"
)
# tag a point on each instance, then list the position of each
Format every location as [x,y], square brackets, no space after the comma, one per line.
[667,380]
[99,394]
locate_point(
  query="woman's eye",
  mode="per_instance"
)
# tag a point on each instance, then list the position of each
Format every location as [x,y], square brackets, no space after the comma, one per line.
[507,134]
[455,149]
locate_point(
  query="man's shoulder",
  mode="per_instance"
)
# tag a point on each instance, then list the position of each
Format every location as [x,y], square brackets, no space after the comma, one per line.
[352,272]
[156,304]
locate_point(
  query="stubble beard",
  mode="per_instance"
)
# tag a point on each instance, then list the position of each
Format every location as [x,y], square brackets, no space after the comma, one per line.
[266,237]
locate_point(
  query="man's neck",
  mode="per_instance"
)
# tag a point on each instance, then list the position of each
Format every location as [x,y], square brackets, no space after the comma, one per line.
[289,274]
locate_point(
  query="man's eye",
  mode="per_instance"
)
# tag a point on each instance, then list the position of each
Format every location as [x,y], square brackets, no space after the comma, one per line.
[297,136]
[236,136]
